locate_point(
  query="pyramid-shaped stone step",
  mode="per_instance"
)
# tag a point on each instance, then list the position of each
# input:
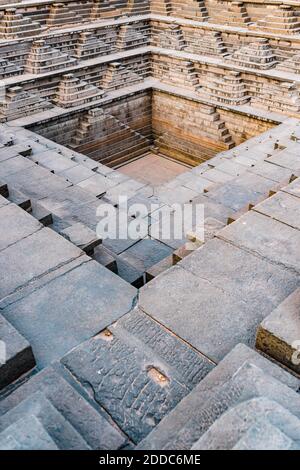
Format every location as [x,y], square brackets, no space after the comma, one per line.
[276,426]
[291,65]
[108,8]
[60,15]
[137,7]
[69,418]
[161,7]
[258,55]
[191,9]
[235,14]
[89,45]
[211,43]
[44,59]
[228,89]
[9,69]
[14,25]
[74,92]
[171,37]
[241,376]
[132,36]
[283,20]
[278,335]
[283,97]
[117,75]
[139,359]
[20,103]
[39,409]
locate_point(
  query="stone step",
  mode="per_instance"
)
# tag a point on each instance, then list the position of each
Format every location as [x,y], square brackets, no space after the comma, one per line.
[260,422]
[71,420]
[241,376]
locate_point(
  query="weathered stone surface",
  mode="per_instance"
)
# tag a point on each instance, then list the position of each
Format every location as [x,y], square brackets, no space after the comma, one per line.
[37,405]
[177,430]
[246,422]
[137,371]
[32,257]
[267,238]
[16,354]
[26,434]
[282,207]
[89,422]
[15,224]
[279,333]
[70,309]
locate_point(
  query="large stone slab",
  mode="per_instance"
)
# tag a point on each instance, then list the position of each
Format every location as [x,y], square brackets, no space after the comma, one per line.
[15,224]
[31,257]
[70,309]
[244,276]
[16,355]
[183,419]
[137,371]
[282,207]
[89,422]
[267,238]
[279,333]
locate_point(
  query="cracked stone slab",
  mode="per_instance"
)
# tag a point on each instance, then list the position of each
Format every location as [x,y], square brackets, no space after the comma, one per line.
[244,276]
[15,224]
[16,354]
[33,256]
[267,238]
[260,423]
[92,423]
[70,309]
[184,417]
[137,371]
[279,334]
[51,420]
[282,207]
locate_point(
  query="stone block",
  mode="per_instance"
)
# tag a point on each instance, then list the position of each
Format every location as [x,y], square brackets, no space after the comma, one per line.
[137,371]
[278,335]
[70,309]
[16,354]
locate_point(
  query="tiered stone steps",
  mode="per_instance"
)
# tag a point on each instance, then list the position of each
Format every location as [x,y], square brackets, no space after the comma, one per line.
[191,9]
[291,65]
[116,75]
[170,37]
[92,45]
[106,148]
[60,15]
[257,54]
[283,20]
[180,73]
[161,7]
[285,96]
[44,58]
[228,89]
[74,92]
[9,69]
[20,103]
[15,25]
[133,35]
[243,380]
[235,14]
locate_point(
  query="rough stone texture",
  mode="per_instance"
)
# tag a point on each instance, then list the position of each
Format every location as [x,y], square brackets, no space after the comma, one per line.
[137,371]
[279,334]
